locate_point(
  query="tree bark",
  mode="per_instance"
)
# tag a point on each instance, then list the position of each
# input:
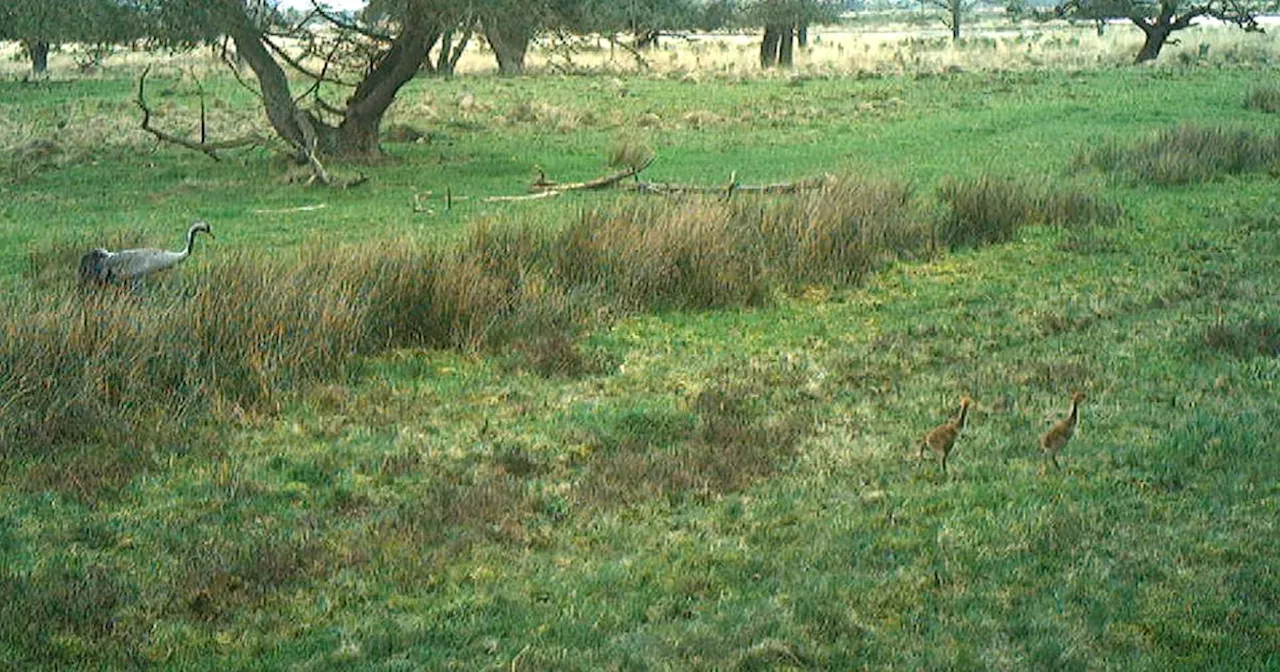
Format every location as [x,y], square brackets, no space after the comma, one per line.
[769,47]
[786,46]
[289,121]
[509,43]
[777,48]
[802,35]
[955,20]
[38,50]
[1167,21]
[1156,37]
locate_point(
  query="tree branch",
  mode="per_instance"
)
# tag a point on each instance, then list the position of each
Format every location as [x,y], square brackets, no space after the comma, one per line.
[209,149]
[293,63]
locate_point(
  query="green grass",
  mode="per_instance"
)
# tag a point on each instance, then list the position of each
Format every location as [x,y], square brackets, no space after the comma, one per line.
[681,480]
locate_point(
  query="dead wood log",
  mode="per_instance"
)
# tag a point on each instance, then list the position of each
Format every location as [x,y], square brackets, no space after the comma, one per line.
[670,189]
[543,185]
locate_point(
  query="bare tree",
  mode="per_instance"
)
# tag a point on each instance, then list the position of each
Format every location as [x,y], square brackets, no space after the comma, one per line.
[953,13]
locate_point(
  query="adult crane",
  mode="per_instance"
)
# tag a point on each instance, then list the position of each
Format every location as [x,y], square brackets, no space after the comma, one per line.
[102,266]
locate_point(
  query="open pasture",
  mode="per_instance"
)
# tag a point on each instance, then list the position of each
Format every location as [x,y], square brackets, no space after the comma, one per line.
[614,431]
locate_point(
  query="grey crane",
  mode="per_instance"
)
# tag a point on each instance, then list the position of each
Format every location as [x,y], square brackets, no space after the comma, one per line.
[102,266]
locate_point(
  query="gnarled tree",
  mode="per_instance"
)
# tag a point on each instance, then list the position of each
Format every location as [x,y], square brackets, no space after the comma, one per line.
[1160,19]
[392,51]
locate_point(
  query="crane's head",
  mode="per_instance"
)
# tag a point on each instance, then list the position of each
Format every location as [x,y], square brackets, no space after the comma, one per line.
[201,226]
[1077,397]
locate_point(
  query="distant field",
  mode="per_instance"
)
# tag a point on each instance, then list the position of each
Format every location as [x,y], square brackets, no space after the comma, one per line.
[610,431]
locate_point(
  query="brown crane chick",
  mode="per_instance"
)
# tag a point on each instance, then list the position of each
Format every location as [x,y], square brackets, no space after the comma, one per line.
[1060,433]
[942,439]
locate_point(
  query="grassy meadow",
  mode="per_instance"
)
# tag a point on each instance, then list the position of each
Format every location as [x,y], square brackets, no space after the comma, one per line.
[400,426]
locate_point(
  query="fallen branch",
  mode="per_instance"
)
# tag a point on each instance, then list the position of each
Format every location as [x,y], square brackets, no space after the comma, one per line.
[733,187]
[209,149]
[526,197]
[542,184]
[300,208]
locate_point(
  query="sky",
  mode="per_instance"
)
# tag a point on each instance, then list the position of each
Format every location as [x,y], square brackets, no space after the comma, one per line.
[333,4]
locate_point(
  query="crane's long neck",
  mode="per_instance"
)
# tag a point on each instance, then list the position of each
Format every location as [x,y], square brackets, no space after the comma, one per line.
[191,242]
[964,415]
[1075,413]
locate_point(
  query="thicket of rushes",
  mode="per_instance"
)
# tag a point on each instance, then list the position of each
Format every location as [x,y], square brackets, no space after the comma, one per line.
[238,333]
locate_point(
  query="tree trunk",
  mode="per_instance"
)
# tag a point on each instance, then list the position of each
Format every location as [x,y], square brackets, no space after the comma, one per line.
[509,44]
[286,118]
[786,46]
[1156,38]
[447,60]
[646,38]
[955,20]
[770,46]
[1101,25]
[802,35]
[38,50]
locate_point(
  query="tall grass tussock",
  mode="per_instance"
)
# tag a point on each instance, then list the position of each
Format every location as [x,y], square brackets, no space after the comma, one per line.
[990,209]
[1186,154]
[1263,98]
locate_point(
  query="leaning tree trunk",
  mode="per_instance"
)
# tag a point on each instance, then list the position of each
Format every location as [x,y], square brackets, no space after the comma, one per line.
[509,42]
[1157,36]
[38,50]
